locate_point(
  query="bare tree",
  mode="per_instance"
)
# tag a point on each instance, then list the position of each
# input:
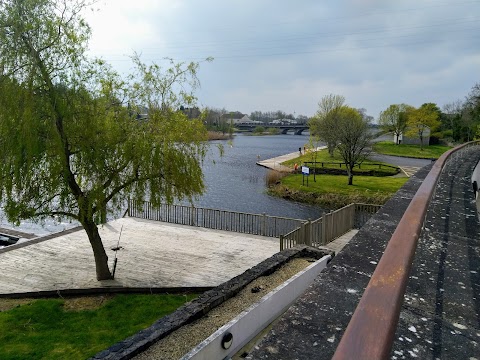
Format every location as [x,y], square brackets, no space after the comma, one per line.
[353,138]
[324,123]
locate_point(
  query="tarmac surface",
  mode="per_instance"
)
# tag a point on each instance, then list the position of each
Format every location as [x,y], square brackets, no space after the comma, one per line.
[440,318]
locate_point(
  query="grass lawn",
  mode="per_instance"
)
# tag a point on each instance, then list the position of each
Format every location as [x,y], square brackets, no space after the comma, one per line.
[332,191]
[324,157]
[48,329]
[338,184]
[428,152]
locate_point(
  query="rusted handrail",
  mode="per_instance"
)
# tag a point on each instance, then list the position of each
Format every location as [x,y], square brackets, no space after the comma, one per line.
[371,330]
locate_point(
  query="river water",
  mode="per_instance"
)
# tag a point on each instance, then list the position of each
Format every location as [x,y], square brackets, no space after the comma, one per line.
[233,181]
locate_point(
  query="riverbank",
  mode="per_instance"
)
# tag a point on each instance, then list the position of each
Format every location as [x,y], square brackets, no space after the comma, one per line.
[217,135]
[329,190]
[276,162]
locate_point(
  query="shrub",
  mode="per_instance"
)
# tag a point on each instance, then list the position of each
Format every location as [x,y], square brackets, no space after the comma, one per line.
[272,177]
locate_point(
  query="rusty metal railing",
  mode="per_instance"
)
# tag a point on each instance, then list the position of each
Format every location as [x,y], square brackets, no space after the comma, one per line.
[371,330]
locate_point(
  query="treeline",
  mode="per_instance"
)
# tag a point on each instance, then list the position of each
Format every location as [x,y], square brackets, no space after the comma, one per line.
[269,116]
[458,121]
[220,119]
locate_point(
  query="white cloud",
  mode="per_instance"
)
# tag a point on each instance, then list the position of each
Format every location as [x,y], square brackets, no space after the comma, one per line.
[285,55]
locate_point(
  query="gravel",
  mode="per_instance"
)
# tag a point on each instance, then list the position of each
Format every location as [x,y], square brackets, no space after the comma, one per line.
[180,342]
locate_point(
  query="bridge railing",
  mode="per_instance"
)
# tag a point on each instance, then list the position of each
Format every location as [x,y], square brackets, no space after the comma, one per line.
[256,224]
[330,226]
[371,330]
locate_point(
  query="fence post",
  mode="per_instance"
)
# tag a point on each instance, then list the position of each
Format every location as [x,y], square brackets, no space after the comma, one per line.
[192,214]
[307,235]
[324,229]
[281,242]
[264,224]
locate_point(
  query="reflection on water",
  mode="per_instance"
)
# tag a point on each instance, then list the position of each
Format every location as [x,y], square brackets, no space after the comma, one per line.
[233,181]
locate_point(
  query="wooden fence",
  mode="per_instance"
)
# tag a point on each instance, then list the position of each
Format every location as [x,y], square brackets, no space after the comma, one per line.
[290,231]
[256,224]
[330,226]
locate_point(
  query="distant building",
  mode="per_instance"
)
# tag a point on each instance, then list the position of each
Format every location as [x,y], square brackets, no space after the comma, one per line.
[245,120]
[284,122]
[413,140]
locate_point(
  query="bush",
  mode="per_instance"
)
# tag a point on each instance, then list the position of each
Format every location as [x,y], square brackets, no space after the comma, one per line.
[273,131]
[273,177]
[259,130]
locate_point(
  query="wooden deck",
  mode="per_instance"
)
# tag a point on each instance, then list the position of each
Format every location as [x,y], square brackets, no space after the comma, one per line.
[153,254]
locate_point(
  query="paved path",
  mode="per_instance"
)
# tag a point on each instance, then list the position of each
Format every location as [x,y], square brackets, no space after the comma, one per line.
[440,317]
[275,163]
[153,254]
[408,166]
[400,160]
[409,170]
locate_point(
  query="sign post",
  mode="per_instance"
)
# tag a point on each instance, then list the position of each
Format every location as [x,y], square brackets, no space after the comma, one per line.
[305,172]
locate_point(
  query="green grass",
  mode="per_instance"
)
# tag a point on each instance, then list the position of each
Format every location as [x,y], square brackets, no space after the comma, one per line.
[415,151]
[324,157]
[332,191]
[43,329]
[338,184]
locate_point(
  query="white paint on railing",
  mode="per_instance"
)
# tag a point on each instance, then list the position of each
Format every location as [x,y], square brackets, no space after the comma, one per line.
[257,317]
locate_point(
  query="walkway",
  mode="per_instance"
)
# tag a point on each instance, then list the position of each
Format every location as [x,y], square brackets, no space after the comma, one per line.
[409,166]
[275,163]
[440,318]
[409,171]
[312,327]
[153,254]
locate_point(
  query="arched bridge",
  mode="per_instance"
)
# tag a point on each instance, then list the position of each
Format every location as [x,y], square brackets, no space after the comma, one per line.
[284,128]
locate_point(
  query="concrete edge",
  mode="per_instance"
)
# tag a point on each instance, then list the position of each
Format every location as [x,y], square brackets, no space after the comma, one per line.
[105,290]
[40,239]
[200,306]
[249,323]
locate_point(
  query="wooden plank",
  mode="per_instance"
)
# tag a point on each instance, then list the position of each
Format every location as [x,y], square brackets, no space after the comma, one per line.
[153,254]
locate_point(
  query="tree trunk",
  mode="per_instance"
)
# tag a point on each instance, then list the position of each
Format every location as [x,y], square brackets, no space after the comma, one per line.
[331,149]
[101,258]
[350,175]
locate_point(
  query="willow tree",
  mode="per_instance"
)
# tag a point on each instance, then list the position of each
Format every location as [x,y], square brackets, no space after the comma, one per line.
[72,143]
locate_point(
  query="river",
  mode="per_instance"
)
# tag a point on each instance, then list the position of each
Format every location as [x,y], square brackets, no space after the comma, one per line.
[233,181]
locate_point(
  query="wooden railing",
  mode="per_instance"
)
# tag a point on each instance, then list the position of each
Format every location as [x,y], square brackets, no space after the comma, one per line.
[256,224]
[330,226]
[290,231]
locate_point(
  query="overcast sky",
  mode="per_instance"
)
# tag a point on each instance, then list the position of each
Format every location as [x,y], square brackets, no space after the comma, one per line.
[285,55]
